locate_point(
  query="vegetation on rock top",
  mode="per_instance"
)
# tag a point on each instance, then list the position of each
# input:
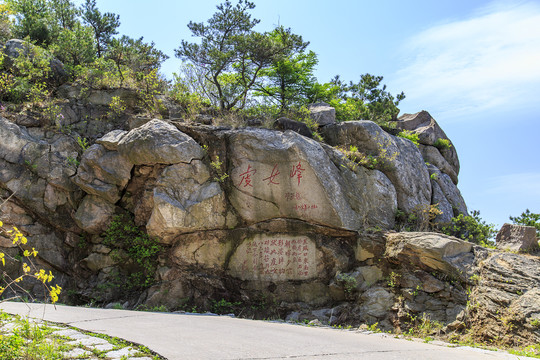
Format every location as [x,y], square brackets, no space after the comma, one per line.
[233,68]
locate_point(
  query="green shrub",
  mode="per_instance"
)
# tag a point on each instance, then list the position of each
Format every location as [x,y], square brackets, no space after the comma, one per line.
[142,251]
[471,228]
[27,77]
[223,306]
[117,107]
[442,144]
[411,135]
[420,218]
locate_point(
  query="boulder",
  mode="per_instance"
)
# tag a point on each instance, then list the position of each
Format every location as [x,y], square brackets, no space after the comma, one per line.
[185,200]
[208,250]
[301,128]
[428,133]
[13,139]
[322,113]
[96,262]
[111,139]
[431,251]
[377,302]
[517,238]
[377,204]
[367,276]
[103,173]
[399,159]
[277,175]
[94,214]
[158,142]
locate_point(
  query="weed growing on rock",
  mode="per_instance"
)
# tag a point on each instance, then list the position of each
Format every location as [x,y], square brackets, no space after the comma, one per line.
[216,165]
[411,135]
[83,143]
[117,107]
[424,327]
[382,161]
[53,113]
[223,306]
[421,218]
[348,283]
[393,279]
[442,144]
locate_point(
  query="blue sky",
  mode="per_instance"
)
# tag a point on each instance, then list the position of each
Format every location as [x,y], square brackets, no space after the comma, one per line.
[474,65]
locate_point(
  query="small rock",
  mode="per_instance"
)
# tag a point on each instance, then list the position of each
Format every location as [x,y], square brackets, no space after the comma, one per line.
[124,352]
[77,353]
[322,113]
[284,123]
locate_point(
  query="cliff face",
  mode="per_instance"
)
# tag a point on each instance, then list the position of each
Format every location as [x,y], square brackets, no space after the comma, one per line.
[263,217]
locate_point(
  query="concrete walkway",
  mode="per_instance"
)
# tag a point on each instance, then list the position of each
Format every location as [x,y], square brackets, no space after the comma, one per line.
[188,336]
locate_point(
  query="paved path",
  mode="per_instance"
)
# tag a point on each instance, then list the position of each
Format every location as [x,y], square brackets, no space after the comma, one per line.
[188,336]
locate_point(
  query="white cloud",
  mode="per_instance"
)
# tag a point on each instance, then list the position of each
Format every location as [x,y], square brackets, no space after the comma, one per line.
[487,62]
[524,186]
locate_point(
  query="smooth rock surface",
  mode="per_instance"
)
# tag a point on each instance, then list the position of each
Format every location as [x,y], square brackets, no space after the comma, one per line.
[276,258]
[278,175]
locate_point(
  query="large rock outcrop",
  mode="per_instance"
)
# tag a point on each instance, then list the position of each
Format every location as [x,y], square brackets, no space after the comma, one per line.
[278,175]
[271,219]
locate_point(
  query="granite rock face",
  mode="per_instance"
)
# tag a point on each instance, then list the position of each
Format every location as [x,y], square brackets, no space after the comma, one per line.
[397,158]
[429,133]
[277,175]
[271,219]
[517,238]
[186,200]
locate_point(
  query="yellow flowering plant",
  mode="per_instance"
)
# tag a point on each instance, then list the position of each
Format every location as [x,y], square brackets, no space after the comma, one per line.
[30,270]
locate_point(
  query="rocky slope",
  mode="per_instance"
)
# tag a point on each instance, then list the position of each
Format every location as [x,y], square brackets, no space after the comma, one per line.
[274,220]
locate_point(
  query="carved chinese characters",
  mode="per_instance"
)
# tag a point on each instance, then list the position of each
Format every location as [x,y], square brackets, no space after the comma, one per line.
[285,175]
[279,189]
[275,258]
